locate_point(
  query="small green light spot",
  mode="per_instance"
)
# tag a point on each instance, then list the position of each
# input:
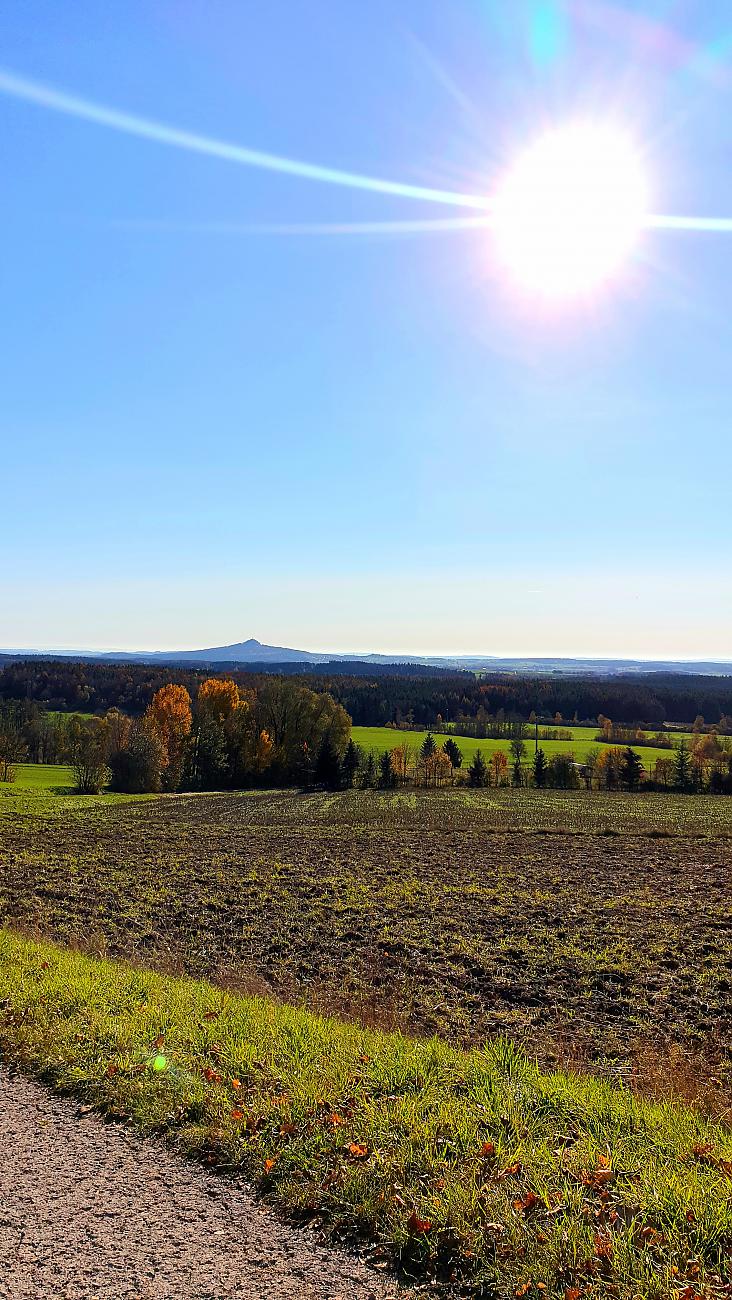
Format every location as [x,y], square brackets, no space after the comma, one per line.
[160,1063]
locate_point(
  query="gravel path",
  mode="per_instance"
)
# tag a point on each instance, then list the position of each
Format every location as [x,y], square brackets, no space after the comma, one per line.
[90,1209]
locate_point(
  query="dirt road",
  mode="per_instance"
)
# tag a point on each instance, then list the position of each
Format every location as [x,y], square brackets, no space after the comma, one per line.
[90,1209]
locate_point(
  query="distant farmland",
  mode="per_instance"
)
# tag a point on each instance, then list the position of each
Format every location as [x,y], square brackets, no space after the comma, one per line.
[377,739]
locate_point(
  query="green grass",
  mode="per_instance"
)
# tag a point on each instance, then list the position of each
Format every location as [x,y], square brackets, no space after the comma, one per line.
[37,787]
[469,1163]
[377,739]
[47,778]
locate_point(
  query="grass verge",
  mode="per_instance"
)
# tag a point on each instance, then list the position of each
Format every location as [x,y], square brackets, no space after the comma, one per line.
[466,1165]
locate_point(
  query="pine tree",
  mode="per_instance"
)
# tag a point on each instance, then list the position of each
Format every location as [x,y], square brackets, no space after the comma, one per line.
[517,776]
[368,773]
[540,769]
[428,746]
[327,764]
[682,767]
[477,772]
[350,764]
[387,775]
[454,753]
[631,769]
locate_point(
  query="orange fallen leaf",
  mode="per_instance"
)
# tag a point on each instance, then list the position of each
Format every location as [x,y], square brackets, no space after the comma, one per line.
[417,1226]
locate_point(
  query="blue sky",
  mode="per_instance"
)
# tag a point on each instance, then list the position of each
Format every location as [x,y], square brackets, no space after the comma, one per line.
[357,441]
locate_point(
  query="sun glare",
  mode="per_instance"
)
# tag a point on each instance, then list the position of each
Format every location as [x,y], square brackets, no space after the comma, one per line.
[569,211]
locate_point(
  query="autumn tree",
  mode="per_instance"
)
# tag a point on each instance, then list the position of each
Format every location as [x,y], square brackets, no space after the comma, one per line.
[263,752]
[608,768]
[169,713]
[402,760]
[499,767]
[589,765]
[217,698]
[663,770]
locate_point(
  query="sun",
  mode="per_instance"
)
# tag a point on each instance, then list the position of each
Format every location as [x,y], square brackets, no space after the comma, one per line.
[570,210]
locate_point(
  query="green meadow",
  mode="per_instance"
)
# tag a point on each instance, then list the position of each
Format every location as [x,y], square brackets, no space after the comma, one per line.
[377,739]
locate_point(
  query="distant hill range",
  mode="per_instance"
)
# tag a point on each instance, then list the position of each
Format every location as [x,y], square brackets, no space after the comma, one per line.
[254,654]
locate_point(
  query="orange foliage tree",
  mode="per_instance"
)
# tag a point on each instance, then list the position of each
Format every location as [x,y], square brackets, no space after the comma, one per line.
[499,764]
[169,715]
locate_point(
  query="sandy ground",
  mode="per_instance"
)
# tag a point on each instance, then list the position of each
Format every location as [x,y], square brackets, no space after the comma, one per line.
[90,1209]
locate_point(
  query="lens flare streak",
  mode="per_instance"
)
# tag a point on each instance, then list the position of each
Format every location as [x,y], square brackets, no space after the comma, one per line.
[45,96]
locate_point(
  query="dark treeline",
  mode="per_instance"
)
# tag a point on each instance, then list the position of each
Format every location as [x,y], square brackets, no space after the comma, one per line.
[402,695]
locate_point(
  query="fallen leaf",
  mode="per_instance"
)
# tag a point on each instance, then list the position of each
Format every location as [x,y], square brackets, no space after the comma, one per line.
[417,1226]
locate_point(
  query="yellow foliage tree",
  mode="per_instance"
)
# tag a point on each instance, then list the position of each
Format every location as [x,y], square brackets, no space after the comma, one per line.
[218,697]
[263,751]
[402,760]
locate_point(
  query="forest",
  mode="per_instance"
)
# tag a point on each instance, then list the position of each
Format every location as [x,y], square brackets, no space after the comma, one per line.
[399,695]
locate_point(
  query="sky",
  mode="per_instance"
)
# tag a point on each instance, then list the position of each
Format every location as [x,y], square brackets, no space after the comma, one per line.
[223,416]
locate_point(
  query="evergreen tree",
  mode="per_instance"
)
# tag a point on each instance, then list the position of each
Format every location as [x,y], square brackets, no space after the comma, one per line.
[682,767]
[368,773]
[540,769]
[350,764]
[327,764]
[428,746]
[454,753]
[631,769]
[517,775]
[387,775]
[477,772]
